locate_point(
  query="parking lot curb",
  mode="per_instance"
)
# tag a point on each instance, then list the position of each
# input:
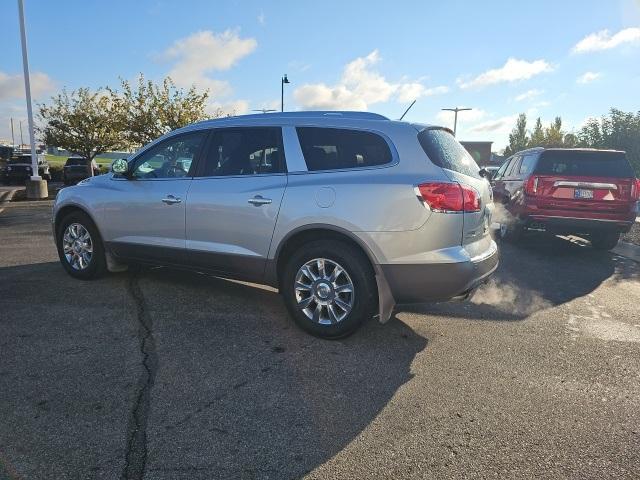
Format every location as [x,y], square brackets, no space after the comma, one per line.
[5,198]
[628,250]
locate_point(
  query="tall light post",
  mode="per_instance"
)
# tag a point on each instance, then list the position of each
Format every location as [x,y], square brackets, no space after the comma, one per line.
[455,118]
[36,188]
[283,80]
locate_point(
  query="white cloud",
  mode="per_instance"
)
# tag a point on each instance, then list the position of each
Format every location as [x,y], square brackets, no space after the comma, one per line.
[359,87]
[512,71]
[498,125]
[12,86]
[234,107]
[588,77]
[603,40]
[261,19]
[203,52]
[529,94]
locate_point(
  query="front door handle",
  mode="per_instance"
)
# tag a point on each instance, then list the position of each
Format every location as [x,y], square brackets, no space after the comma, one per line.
[170,200]
[259,200]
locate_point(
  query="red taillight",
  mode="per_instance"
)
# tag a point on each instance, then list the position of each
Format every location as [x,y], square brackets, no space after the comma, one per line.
[531,187]
[635,189]
[471,198]
[450,197]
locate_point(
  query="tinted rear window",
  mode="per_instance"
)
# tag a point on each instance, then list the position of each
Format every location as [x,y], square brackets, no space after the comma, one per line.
[584,163]
[445,151]
[76,161]
[336,148]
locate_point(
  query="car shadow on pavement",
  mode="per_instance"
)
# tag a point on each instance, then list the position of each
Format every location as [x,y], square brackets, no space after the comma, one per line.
[539,272]
[180,375]
[242,392]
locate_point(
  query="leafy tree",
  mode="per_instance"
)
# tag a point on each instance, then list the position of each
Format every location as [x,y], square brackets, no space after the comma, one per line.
[537,136]
[618,130]
[149,110]
[81,122]
[518,138]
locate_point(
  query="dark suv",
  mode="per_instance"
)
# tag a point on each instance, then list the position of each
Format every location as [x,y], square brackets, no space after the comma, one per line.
[19,168]
[76,169]
[568,191]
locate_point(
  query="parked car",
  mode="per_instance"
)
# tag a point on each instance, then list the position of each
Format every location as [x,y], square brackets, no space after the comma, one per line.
[568,191]
[347,213]
[19,168]
[490,171]
[77,168]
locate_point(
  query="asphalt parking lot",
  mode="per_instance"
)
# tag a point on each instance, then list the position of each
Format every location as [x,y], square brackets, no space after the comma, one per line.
[170,375]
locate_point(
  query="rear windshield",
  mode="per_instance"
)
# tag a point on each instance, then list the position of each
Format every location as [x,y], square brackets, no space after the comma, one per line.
[76,161]
[584,164]
[445,151]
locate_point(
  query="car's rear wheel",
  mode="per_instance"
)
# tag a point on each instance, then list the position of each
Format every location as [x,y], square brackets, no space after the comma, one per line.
[80,247]
[329,288]
[605,241]
[510,232]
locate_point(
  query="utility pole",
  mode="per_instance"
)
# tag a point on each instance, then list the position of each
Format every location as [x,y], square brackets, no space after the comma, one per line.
[37,188]
[455,118]
[21,140]
[13,140]
[283,80]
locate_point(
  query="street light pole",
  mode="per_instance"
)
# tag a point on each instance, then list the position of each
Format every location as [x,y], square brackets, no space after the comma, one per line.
[27,89]
[455,118]
[283,80]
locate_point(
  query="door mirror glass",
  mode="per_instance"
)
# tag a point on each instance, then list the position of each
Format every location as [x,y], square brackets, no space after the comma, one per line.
[120,166]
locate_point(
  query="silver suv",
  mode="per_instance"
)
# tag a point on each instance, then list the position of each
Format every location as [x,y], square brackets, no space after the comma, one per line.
[346,213]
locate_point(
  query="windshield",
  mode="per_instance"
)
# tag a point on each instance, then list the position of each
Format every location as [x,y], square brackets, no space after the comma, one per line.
[445,151]
[584,163]
[21,159]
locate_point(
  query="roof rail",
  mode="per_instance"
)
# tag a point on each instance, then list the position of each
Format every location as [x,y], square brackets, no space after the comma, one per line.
[306,114]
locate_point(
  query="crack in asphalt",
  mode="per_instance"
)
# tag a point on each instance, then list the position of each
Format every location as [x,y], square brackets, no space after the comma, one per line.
[136,454]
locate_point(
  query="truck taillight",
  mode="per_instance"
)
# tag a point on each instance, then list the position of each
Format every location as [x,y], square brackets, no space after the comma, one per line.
[635,189]
[531,187]
[449,197]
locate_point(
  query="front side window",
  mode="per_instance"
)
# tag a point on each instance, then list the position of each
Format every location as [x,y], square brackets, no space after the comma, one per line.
[336,148]
[172,158]
[244,151]
[502,169]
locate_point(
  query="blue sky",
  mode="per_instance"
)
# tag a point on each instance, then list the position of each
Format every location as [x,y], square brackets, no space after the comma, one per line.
[546,58]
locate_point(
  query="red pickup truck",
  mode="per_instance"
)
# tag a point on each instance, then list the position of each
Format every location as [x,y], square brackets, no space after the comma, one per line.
[593,193]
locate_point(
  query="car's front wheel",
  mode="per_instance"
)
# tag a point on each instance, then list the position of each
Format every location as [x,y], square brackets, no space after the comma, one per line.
[80,247]
[329,288]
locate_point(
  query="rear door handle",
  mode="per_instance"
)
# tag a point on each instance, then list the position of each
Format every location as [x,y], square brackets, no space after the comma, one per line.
[259,200]
[170,200]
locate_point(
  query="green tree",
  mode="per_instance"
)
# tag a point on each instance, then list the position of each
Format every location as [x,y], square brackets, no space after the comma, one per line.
[618,130]
[148,110]
[537,136]
[518,138]
[81,122]
[553,134]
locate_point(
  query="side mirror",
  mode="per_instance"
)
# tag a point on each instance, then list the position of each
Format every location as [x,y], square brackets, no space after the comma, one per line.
[484,173]
[120,166]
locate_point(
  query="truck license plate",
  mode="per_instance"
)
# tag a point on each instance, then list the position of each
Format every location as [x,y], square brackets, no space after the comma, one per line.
[582,193]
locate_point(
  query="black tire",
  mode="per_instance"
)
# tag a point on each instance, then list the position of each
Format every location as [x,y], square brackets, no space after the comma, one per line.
[605,241]
[358,268]
[510,232]
[97,265]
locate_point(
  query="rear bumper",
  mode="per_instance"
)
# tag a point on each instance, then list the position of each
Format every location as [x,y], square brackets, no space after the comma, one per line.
[421,283]
[559,224]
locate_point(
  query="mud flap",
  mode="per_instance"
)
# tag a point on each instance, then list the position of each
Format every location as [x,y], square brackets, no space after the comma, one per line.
[113,266]
[386,302]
